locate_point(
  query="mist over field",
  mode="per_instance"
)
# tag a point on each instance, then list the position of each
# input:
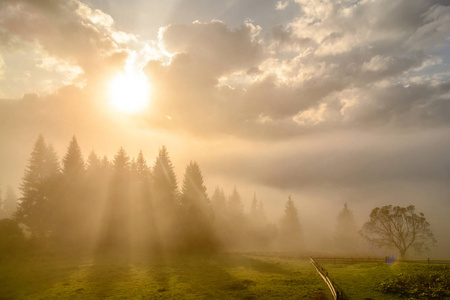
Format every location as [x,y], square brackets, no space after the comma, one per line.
[330,103]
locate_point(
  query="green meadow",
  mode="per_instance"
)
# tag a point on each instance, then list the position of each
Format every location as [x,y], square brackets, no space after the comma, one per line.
[400,280]
[224,276]
[219,276]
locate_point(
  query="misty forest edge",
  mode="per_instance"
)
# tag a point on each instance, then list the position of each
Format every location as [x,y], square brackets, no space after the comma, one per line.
[127,206]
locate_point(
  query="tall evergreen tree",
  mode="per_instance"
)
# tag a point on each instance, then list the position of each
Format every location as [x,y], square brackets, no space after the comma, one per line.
[346,234]
[254,208]
[72,207]
[290,233]
[98,175]
[121,163]
[73,163]
[38,187]
[196,215]
[218,202]
[141,205]
[164,179]
[235,205]
[261,234]
[257,215]
[142,168]
[117,227]
[93,164]
[236,225]
[105,164]
[9,202]
[52,169]
[165,200]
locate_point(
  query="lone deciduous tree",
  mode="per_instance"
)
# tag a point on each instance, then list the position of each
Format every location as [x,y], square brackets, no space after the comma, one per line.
[398,227]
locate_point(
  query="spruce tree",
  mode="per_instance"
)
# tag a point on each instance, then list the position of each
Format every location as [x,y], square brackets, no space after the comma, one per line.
[142,168]
[235,205]
[73,163]
[93,165]
[257,215]
[290,233]
[96,188]
[346,233]
[72,208]
[143,227]
[254,207]
[38,188]
[9,203]
[165,201]
[218,202]
[117,226]
[196,215]
[236,228]
[164,179]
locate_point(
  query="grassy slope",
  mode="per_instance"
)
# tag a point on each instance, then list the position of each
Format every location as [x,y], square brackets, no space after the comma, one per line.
[359,281]
[183,277]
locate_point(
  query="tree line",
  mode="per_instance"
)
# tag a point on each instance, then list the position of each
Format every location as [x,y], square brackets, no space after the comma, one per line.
[127,205]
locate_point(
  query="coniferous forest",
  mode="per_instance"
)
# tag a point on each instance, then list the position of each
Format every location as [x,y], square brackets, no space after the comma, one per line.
[134,206]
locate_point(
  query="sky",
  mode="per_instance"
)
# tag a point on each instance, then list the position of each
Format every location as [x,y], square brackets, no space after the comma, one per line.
[330,101]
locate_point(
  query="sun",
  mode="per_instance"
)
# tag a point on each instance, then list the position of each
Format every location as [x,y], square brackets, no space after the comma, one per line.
[129,92]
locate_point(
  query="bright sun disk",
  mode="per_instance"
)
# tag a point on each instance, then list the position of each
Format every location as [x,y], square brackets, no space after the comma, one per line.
[129,92]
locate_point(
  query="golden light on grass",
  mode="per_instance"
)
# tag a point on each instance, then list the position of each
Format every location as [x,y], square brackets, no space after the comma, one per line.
[129,92]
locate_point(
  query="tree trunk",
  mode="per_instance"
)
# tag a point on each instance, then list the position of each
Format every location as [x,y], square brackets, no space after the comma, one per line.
[402,254]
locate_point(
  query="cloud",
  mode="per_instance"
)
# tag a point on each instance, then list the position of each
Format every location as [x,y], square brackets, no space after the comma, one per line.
[337,63]
[215,46]
[281,5]
[68,40]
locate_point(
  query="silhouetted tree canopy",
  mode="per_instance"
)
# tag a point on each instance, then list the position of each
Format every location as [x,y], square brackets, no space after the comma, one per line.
[398,227]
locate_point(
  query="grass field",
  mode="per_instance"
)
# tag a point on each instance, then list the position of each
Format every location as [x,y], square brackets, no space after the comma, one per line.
[225,276]
[363,280]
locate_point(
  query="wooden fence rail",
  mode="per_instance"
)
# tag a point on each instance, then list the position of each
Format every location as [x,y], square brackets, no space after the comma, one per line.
[349,260]
[357,260]
[335,292]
